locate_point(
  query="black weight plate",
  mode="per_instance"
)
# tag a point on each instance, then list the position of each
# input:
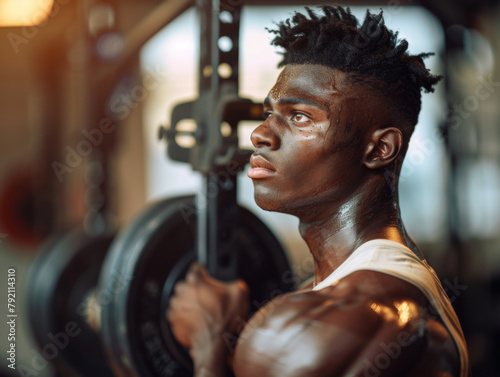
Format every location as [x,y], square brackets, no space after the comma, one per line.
[151,255]
[126,249]
[62,275]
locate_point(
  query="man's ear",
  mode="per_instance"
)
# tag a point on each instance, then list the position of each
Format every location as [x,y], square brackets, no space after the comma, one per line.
[383,148]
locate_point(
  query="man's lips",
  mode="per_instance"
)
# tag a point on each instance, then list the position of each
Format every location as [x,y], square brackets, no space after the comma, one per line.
[261,168]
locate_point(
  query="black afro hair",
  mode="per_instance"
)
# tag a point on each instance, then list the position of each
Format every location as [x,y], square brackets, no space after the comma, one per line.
[369,53]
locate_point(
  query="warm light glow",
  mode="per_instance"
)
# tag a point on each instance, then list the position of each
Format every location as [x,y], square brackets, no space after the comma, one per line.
[25,12]
[406,311]
[384,311]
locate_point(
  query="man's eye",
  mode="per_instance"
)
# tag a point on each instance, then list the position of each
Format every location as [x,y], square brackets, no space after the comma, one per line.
[299,118]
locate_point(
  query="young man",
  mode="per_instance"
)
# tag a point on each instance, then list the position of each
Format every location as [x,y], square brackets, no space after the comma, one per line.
[339,119]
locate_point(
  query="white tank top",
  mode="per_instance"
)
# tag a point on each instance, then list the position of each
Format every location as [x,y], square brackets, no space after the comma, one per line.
[394,259]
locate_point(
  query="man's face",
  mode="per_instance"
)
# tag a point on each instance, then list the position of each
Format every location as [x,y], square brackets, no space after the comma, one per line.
[308,158]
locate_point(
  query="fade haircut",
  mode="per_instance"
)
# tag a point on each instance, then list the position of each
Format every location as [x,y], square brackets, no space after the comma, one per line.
[369,53]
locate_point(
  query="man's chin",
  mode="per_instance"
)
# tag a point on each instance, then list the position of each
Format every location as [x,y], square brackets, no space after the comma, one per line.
[271,203]
[266,202]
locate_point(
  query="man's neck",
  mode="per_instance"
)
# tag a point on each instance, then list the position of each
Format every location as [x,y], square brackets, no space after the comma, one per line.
[367,215]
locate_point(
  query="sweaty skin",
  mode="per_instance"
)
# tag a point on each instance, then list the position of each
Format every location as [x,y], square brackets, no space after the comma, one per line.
[369,324]
[324,154]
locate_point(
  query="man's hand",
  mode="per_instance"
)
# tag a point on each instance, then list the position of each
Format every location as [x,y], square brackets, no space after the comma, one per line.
[202,310]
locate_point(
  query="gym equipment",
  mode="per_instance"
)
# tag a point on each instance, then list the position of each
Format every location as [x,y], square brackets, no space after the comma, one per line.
[66,269]
[157,249]
[143,265]
[215,156]
[62,277]
[70,316]
[127,308]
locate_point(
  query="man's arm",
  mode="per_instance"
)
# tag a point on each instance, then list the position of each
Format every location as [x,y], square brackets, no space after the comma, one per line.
[369,324]
[331,333]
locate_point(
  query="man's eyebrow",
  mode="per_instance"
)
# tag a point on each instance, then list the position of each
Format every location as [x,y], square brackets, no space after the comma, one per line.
[267,102]
[293,101]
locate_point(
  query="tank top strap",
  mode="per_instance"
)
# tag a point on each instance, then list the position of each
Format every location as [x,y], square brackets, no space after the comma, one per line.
[397,260]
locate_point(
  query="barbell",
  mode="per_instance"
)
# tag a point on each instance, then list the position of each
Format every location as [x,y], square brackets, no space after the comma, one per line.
[117,289]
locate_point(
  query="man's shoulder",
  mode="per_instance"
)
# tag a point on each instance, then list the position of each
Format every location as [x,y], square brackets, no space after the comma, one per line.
[369,294]
[365,324]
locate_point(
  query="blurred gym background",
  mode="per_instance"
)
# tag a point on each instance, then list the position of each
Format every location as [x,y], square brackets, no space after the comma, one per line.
[62,59]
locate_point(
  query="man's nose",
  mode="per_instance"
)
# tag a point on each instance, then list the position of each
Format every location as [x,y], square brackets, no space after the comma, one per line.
[264,136]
